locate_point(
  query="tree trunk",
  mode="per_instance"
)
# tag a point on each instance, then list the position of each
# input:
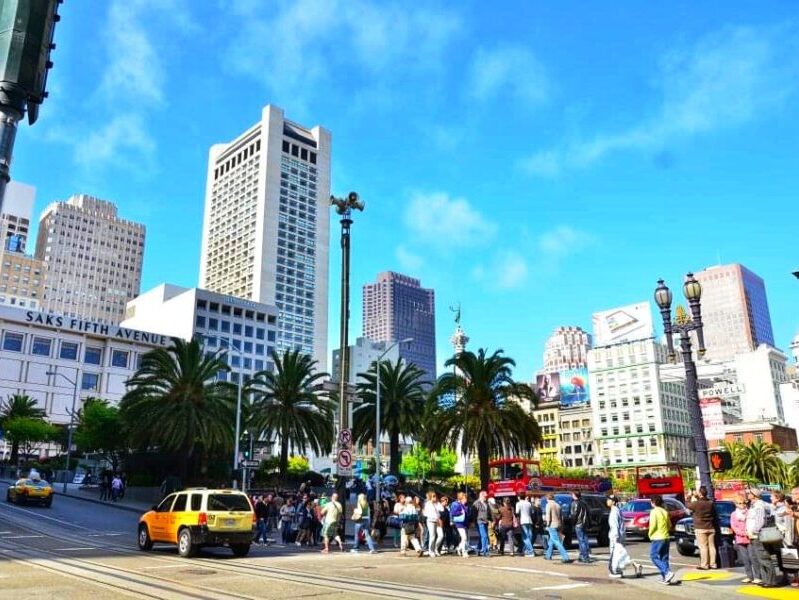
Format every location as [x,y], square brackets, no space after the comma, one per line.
[394,453]
[482,457]
[284,457]
[14,453]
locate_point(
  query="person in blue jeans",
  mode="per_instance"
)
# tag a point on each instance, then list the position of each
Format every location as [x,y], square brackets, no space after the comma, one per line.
[659,532]
[361,516]
[554,523]
[579,519]
[524,512]
[482,518]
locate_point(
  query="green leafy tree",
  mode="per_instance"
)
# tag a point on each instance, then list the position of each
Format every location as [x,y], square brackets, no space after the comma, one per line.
[421,462]
[18,406]
[175,402]
[298,465]
[402,405]
[486,416]
[445,461]
[99,430]
[27,432]
[551,466]
[289,404]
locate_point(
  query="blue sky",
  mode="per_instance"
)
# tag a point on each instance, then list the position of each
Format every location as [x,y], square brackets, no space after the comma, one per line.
[536,161]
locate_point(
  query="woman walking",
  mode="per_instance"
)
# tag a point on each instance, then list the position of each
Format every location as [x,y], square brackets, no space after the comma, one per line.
[433,520]
[619,558]
[410,522]
[738,526]
[506,526]
[459,513]
[362,520]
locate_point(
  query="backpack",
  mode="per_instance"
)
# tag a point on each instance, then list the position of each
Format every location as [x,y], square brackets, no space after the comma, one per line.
[458,513]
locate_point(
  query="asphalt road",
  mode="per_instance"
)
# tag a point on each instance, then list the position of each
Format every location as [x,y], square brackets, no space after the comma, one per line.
[81,550]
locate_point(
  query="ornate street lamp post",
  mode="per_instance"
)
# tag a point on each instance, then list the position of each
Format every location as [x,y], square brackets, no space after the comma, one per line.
[684,324]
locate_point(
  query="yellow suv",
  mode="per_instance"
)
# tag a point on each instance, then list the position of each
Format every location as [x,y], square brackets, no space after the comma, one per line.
[200,517]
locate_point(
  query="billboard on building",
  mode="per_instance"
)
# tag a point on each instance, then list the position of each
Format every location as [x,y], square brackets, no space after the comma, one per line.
[713,418]
[547,387]
[623,324]
[574,388]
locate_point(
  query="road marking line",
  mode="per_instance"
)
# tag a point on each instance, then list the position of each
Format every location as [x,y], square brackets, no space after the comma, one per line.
[102,534]
[565,586]
[19,537]
[5,532]
[80,548]
[523,570]
[163,567]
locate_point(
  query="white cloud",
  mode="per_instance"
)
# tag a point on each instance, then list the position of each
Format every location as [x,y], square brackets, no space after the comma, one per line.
[299,49]
[447,222]
[408,261]
[113,141]
[562,241]
[726,79]
[506,270]
[512,70]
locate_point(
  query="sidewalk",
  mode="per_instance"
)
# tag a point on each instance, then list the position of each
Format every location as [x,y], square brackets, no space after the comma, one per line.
[93,495]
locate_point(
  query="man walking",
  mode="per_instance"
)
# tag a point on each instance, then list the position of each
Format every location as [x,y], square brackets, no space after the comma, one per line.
[260,516]
[331,513]
[554,523]
[482,518]
[524,511]
[579,520]
[703,510]
[659,527]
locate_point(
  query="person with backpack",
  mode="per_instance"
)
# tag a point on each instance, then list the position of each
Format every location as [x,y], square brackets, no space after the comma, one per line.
[579,520]
[458,512]
[482,516]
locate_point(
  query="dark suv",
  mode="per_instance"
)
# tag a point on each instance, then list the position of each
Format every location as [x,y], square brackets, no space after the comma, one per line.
[598,513]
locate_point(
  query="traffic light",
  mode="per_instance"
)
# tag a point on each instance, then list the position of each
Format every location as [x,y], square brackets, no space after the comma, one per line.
[247,446]
[720,460]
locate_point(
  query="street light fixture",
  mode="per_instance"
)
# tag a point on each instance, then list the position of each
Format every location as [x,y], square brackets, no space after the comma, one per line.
[684,324]
[71,420]
[238,418]
[377,414]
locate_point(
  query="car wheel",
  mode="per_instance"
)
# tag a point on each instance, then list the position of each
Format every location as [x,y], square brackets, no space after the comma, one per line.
[686,550]
[143,539]
[186,547]
[240,549]
[48,503]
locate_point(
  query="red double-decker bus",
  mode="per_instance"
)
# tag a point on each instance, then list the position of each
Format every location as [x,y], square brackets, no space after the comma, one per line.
[514,476]
[663,480]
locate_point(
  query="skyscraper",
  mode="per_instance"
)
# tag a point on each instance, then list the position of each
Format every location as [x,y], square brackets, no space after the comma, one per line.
[735,311]
[397,307]
[21,282]
[266,226]
[566,348]
[92,259]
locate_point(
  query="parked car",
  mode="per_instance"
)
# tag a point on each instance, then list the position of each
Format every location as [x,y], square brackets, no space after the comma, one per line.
[598,513]
[685,536]
[199,517]
[636,514]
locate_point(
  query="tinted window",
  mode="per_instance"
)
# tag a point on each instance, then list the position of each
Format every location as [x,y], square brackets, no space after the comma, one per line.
[165,504]
[196,502]
[69,350]
[12,341]
[41,346]
[637,506]
[180,503]
[119,358]
[93,356]
[228,502]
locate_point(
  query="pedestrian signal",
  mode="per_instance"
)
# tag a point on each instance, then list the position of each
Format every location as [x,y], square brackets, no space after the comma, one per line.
[720,460]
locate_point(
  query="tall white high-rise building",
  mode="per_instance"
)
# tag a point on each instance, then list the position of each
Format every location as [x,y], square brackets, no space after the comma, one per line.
[92,259]
[566,348]
[266,226]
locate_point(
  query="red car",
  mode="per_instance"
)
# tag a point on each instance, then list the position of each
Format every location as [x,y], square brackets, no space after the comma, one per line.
[636,514]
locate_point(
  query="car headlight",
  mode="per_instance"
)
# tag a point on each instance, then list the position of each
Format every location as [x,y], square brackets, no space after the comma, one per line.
[726,531]
[679,527]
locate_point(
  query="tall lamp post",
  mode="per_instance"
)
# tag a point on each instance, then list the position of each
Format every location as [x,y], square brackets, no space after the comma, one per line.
[377,414]
[684,324]
[238,417]
[71,420]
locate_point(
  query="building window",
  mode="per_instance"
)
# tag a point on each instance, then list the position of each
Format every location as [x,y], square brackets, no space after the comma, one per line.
[41,346]
[236,328]
[199,321]
[119,358]
[69,351]
[93,356]
[213,324]
[13,341]
[225,326]
[270,336]
[90,381]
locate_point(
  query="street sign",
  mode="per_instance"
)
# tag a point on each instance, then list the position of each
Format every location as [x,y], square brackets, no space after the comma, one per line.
[345,439]
[250,464]
[344,463]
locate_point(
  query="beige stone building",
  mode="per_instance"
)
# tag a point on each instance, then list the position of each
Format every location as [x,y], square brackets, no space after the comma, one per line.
[92,259]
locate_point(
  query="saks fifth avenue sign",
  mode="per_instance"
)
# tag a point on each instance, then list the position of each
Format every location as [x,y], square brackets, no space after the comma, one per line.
[84,326]
[722,391]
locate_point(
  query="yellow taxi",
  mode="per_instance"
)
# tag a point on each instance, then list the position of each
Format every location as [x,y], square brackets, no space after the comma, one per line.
[198,517]
[30,489]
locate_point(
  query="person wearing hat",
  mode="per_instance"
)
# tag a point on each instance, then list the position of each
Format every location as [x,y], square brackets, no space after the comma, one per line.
[619,558]
[762,566]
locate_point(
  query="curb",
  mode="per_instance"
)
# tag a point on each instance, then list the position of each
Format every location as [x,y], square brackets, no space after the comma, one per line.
[132,509]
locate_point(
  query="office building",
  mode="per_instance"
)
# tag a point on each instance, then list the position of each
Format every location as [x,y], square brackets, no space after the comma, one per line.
[246,330]
[15,220]
[567,348]
[361,356]
[266,226]
[761,431]
[735,311]
[547,414]
[761,372]
[397,307]
[576,437]
[92,259]
[98,357]
[21,280]
[639,416]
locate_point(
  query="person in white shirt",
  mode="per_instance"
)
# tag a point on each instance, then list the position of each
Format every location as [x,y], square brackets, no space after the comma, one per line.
[432,517]
[524,510]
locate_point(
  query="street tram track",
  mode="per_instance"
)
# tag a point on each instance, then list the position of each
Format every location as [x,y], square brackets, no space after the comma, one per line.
[160,585]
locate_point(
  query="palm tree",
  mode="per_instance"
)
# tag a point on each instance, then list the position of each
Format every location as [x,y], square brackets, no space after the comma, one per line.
[175,402]
[485,416]
[18,406]
[288,403]
[759,461]
[402,405]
